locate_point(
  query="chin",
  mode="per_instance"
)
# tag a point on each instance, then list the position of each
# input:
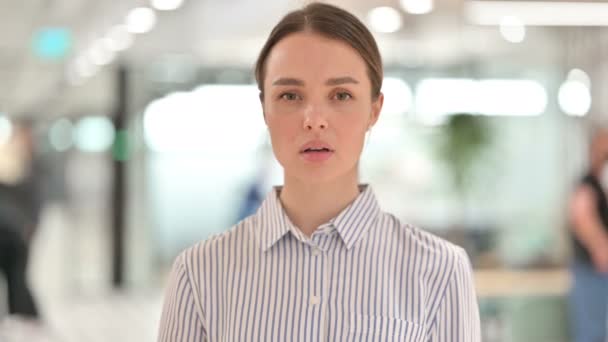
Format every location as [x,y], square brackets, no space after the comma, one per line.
[315,176]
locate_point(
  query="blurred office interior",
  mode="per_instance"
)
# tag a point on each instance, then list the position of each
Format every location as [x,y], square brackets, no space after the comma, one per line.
[146,120]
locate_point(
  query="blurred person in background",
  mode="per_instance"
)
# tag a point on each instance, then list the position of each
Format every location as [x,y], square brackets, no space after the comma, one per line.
[589,225]
[256,189]
[20,205]
[320,261]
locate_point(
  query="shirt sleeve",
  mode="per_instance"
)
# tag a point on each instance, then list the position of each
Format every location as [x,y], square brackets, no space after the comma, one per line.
[182,318]
[457,318]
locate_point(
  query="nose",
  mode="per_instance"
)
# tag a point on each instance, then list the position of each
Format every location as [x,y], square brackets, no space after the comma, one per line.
[314,119]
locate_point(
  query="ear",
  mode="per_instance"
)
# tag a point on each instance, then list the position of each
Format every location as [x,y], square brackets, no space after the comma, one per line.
[376,109]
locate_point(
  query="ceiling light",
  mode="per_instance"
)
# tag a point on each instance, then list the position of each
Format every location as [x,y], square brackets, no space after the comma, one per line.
[574,98]
[581,76]
[118,38]
[385,19]
[99,54]
[166,5]
[417,6]
[141,20]
[512,29]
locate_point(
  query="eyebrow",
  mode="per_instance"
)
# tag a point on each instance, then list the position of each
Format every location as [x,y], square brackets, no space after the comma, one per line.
[341,80]
[287,81]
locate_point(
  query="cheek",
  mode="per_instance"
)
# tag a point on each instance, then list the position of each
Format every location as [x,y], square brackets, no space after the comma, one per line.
[283,125]
[357,137]
[352,126]
[283,134]
[351,140]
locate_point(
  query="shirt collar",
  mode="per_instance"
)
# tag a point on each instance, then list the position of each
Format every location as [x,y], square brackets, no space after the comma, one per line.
[272,221]
[356,219]
[350,223]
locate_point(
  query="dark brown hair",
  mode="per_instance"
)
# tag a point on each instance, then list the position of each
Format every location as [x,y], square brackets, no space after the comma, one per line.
[331,22]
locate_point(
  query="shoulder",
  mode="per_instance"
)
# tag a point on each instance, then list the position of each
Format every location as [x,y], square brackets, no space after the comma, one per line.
[422,242]
[429,263]
[426,259]
[219,246]
[437,263]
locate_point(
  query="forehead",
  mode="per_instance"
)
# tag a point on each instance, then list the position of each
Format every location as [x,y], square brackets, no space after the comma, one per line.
[306,55]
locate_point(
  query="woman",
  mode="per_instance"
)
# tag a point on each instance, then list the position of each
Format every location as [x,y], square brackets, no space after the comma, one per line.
[20,204]
[13,266]
[319,261]
[589,232]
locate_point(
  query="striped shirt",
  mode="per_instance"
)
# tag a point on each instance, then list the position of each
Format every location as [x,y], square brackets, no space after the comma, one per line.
[363,275]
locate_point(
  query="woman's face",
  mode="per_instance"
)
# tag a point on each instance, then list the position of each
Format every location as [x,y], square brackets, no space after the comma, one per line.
[317,106]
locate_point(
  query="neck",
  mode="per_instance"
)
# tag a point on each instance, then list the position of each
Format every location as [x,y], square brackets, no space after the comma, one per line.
[310,205]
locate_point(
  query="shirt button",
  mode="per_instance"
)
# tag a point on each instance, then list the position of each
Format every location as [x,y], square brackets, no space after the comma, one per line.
[316,251]
[314,300]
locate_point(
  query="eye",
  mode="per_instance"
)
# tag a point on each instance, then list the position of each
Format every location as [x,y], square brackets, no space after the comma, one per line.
[343,96]
[289,96]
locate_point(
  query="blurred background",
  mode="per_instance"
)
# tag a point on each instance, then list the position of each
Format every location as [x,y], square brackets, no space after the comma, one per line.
[135,129]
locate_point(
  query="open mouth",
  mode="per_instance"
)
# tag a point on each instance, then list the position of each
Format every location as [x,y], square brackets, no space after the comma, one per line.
[317,150]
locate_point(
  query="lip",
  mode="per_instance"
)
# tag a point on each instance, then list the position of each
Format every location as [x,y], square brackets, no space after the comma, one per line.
[316,157]
[316,144]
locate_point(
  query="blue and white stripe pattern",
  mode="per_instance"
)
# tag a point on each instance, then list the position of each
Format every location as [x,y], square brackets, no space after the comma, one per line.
[363,276]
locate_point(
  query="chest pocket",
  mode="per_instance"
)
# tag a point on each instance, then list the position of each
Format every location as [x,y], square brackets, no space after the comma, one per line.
[384,328]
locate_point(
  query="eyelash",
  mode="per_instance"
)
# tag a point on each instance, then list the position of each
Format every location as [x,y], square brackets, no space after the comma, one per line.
[283,96]
[350,97]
